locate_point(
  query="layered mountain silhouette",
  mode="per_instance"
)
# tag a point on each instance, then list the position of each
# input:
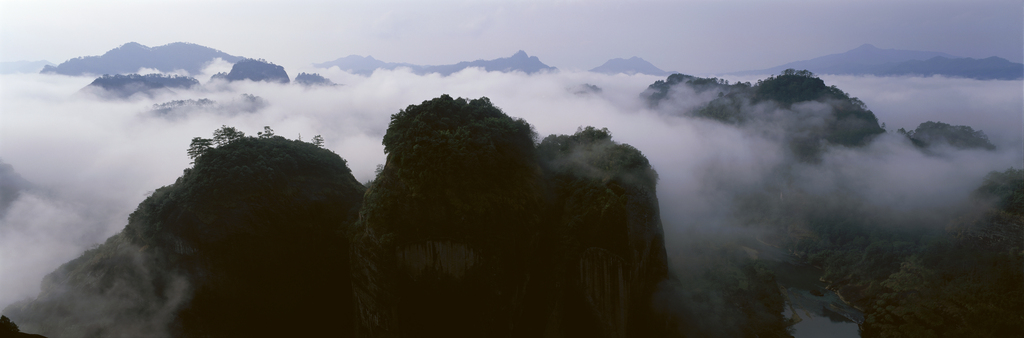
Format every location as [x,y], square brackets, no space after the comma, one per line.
[132,56]
[870,60]
[14,67]
[519,61]
[633,65]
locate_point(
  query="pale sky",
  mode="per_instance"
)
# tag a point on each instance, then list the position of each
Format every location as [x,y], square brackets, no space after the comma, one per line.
[699,37]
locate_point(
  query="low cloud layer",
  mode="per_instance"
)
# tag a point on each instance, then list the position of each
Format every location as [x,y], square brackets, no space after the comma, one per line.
[92,160]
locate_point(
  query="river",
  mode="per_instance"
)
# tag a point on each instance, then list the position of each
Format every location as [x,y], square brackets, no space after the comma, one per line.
[819,311]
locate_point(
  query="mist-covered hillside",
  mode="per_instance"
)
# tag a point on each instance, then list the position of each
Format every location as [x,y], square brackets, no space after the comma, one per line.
[249,234]
[806,127]
[519,61]
[314,79]
[931,266]
[719,209]
[11,185]
[124,86]
[132,56]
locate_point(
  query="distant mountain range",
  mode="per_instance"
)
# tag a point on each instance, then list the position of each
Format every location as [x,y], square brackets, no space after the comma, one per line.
[14,67]
[871,60]
[633,65]
[132,56]
[519,61]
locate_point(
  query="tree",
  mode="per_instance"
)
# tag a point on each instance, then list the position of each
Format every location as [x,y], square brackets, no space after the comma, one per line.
[7,326]
[318,141]
[198,147]
[225,135]
[266,133]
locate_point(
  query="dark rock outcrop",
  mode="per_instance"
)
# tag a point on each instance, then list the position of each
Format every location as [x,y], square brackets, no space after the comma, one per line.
[470,231]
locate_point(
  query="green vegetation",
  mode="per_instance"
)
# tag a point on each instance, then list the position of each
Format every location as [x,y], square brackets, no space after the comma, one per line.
[255,70]
[309,80]
[524,233]
[934,133]
[126,85]
[460,177]
[912,281]
[7,326]
[718,290]
[847,122]
[458,157]
[250,234]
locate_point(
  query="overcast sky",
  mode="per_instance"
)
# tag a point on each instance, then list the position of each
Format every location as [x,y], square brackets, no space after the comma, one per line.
[697,37]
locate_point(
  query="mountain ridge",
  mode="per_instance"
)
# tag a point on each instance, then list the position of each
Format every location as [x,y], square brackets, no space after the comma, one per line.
[520,61]
[130,57]
[870,60]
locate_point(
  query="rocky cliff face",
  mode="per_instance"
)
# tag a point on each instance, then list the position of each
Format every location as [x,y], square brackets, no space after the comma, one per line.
[471,230]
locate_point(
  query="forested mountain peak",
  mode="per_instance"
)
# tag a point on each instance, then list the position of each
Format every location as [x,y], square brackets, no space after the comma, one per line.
[929,134]
[255,70]
[848,122]
[249,233]
[473,210]
[313,79]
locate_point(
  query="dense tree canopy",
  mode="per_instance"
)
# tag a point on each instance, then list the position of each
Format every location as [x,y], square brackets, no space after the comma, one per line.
[930,134]
[847,122]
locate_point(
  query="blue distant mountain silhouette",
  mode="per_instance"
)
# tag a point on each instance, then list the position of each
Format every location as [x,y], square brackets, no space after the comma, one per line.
[131,56]
[870,60]
[633,65]
[519,61]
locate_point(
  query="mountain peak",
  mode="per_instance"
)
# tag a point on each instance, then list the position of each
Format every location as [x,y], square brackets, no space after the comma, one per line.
[134,45]
[520,54]
[633,65]
[866,46]
[129,57]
